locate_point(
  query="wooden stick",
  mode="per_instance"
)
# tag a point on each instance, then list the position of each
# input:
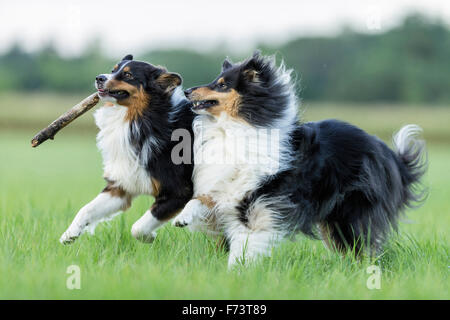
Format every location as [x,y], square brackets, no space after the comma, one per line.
[65,119]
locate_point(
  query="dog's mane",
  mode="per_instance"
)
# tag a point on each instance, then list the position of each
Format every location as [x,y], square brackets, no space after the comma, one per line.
[270,101]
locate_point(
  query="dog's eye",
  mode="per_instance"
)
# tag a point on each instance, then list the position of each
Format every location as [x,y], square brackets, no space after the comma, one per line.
[128,75]
[222,85]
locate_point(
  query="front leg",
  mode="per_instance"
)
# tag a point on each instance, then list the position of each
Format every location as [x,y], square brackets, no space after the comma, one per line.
[195,209]
[166,206]
[110,201]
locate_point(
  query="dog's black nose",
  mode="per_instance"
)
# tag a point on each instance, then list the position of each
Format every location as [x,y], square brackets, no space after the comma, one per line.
[100,78]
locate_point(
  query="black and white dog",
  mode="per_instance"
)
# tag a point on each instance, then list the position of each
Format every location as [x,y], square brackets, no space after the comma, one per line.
[328,178]
[144,106]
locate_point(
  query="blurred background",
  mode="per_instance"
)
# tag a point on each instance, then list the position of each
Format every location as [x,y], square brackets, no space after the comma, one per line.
[379,62]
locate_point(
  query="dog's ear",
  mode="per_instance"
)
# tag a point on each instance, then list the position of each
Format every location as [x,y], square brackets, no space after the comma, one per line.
[253,67]
[251,75]
[128,57]
[226,64]
[256,54]
[168,81]
[255,62]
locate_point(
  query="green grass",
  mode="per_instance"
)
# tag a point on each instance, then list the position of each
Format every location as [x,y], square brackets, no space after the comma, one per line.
[42,189]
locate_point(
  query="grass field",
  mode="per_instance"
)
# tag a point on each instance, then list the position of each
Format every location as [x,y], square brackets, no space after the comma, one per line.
[42,189]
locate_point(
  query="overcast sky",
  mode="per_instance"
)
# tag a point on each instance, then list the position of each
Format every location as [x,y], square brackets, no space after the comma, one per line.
[201,24]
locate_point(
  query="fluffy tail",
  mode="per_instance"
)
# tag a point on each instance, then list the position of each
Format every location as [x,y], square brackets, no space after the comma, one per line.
[363,222]
[411,152]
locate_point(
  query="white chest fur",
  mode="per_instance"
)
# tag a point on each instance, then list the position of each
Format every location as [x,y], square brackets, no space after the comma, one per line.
[120,162]
[231,159]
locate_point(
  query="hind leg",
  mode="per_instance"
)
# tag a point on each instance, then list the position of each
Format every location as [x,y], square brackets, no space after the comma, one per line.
[344,238]
[338,237]
[254,236]
[254,231]
[246,246]
[356,226]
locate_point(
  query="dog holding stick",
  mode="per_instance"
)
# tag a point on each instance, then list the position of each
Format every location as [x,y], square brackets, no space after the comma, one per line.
[144,106]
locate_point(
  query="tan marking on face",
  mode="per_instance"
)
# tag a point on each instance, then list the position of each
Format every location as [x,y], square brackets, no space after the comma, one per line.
[221,81]
[156,187]
[126,69]
[116,67]
[137,100]
[227,101]
[207,201]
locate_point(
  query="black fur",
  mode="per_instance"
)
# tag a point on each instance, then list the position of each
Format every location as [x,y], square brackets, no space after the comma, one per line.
[153,130]
[260,92]
[339,178]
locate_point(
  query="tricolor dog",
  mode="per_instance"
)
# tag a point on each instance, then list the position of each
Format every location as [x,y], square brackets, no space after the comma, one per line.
[327,179]
[144,106]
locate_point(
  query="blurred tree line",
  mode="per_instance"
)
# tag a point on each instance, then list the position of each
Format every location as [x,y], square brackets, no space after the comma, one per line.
[409,63]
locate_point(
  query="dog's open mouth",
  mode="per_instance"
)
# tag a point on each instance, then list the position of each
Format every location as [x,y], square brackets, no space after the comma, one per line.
[203,104]
[118,94]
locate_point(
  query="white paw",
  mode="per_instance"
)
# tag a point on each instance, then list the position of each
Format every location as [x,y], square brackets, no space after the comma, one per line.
[140,233]
[194,209]
[70,235]
[144,229]
[144,237]
[183,219]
